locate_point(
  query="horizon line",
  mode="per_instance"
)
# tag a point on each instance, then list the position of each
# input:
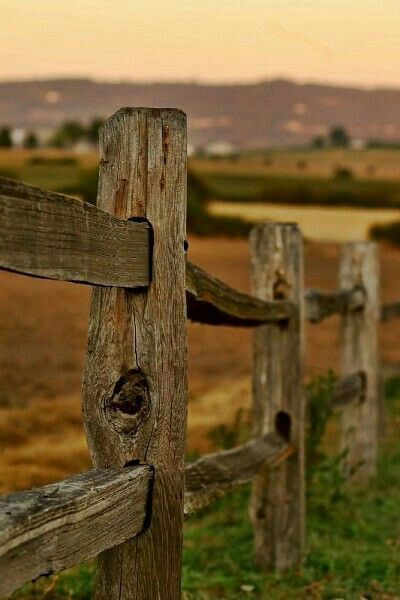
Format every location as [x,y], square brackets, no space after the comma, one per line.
[201,82]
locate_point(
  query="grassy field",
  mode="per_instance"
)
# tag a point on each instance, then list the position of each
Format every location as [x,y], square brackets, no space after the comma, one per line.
[305,192]
[352,538]
[279,185]
[352,543]
[353,535]
[328,223]
[305,176]
[371,164]
[49,168]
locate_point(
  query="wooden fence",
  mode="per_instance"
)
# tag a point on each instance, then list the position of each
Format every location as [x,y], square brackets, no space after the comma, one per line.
[131,248]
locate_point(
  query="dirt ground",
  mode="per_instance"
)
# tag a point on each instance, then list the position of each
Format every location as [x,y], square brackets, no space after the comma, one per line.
[43,327]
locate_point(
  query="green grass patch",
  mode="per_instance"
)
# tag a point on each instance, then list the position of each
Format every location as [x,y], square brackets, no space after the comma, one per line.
[66,174]
[389,232]
[54,177]
[353,535]
[306,191]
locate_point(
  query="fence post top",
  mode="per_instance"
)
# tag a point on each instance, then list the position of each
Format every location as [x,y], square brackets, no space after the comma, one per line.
[272,225]
[360,246]
[133,111]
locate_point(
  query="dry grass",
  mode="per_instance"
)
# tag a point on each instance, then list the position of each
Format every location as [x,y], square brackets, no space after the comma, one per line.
[368,164]
[337,223]
[18,158]
[41,442]
[43,326]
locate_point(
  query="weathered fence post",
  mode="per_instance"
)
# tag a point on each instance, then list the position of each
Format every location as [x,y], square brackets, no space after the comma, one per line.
[135,381]
[360,267]
[278,507]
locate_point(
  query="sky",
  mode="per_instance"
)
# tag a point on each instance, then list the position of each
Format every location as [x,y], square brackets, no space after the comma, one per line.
[352,42]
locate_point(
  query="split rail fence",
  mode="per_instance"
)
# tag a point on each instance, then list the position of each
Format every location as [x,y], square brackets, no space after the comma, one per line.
[131,248]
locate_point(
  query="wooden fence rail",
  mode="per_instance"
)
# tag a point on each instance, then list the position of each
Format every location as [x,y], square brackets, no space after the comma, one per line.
[51,235]
[63,524]
[49,529]
[129,509]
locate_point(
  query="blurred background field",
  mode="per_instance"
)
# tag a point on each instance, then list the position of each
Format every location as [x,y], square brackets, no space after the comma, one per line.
[350,554]
[43,327]
[335,194]
[293,115]
[43,323]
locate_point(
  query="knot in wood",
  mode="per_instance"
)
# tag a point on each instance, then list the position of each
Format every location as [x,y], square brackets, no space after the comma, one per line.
[281,288]
[129,405]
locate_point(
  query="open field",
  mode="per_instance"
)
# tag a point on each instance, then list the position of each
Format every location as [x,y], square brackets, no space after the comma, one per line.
[337,223]
[248,175]
[43,327]
[22,158]
[372,164]
[43,330]
[352,548]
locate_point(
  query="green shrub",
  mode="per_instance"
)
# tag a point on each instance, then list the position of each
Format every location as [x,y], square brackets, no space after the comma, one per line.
[310,191]
[319,410]
[9,173]
[68,134]
[388,233]
[225,436]
[343,173]
[199,220]
[5,137]
[352,549]
[31,140]
[53,160]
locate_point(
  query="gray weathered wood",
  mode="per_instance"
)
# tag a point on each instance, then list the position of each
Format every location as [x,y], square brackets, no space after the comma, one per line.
[211,301]
[320,305]
[278,506]
[135,381]
[390,311]
[50,235]
[359,266]
[350,389]
[216,474]
[49,529]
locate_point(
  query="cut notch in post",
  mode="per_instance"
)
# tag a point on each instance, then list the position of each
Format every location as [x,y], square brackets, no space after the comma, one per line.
[360,267]
[143,175]
[277,505]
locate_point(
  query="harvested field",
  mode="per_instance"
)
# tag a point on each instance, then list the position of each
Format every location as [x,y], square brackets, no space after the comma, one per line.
[369,163]
[43,326]
[317,223]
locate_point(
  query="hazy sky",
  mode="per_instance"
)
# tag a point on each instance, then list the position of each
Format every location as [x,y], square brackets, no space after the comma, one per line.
[345,41]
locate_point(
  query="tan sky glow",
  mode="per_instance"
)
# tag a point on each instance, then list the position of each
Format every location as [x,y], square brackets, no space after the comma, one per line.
[349,41]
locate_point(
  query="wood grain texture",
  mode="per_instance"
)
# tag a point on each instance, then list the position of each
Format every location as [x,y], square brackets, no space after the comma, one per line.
[44,234]
[216,474]
[49,529]
[359,266]
[320,305]
[278,507]
[135,381]
[211,301]
[349,390]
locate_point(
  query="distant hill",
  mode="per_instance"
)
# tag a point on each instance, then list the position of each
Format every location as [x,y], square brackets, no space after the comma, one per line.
[270,113]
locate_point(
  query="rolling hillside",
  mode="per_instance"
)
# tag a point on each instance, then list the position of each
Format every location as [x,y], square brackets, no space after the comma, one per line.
[269,113]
